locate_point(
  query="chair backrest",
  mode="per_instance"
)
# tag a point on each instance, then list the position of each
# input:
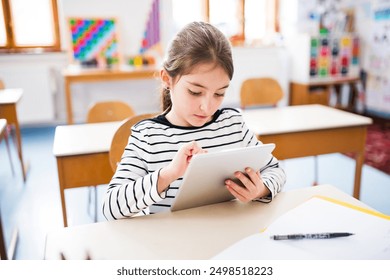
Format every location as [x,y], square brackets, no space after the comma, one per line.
[109,111]
[260,91]
[121,137]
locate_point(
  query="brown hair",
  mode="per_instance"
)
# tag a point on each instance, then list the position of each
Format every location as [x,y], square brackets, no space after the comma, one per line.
[197,42]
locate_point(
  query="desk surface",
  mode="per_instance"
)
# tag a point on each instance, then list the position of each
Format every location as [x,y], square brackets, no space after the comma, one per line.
[300,118]
[81,139]
[10,95]
[324,81]
[198,233]
[82,73]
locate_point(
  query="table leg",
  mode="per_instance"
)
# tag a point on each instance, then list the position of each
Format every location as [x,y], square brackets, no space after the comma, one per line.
[64,217]
[20,154]
[62,192]
[9,113]
[358,174]
[14,239]
[359,157]
[3,254]
[68,101]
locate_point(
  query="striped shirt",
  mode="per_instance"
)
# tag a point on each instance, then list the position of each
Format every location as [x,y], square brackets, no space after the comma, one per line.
[153,144]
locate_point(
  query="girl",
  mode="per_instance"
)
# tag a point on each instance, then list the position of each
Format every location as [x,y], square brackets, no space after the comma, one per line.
[195,77]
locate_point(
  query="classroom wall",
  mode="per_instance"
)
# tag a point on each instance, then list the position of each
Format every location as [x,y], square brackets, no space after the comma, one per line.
[34,74]
[40,75]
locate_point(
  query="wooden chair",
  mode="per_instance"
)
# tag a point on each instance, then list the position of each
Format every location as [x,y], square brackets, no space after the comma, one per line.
[109,111]
[260,92]
[121,137]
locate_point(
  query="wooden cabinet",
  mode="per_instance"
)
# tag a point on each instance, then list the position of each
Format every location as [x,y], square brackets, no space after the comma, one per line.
[319,92]
[320,66]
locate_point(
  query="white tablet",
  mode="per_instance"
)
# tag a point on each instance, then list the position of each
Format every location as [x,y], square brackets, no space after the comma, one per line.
[204,180]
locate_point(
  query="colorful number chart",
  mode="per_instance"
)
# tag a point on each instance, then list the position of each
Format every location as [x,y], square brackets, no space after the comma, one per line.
[93,39]
[334,56]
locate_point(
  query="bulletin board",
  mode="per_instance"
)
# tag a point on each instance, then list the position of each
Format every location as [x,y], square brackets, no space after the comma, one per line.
[93,38]
[378,81]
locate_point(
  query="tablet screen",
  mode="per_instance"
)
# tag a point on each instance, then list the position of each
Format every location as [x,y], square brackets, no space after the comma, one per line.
[204,181]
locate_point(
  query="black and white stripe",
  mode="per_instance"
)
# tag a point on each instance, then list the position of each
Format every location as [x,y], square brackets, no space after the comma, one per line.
[153,144]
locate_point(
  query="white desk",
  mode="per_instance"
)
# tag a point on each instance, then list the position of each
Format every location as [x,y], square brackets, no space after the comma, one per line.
[310,130]
[298,131]
[8,100]
[198,233]
[82,156]
[4,255]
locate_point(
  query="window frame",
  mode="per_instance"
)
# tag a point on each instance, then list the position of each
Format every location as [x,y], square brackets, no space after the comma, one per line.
[275,16]
[12,47]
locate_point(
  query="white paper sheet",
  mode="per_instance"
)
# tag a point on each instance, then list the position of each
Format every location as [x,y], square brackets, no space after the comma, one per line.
[371,239]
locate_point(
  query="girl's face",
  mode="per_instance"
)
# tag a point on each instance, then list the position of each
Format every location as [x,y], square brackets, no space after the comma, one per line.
[198,95]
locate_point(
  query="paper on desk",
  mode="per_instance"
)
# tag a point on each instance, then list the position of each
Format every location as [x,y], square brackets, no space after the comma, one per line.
[371,239]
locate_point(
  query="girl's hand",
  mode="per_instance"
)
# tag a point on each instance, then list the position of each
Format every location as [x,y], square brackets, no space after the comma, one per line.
[177,167]
[253,186]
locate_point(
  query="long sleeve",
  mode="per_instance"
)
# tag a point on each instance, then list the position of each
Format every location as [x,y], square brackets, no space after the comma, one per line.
[273,176]
[153,144]
[133,187]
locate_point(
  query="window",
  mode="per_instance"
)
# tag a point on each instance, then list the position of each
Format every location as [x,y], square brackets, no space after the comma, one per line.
[229,19]
[187,11]
[243,21]
[29,25]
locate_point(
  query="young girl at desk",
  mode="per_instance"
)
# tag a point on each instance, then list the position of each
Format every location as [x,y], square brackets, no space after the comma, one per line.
[195,76]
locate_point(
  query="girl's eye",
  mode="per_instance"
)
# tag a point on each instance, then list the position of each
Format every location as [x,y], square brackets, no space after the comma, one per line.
[219,94]
[194,93]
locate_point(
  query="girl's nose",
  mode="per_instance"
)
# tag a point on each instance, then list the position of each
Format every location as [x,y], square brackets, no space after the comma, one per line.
[204,105]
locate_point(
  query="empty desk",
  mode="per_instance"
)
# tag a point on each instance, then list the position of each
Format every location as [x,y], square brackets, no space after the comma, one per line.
[82,156]
[8,100]
[311,130]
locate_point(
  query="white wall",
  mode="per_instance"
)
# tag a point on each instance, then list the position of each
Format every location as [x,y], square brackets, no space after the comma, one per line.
[40,74]
[131,16]
[34,73]
[271,62]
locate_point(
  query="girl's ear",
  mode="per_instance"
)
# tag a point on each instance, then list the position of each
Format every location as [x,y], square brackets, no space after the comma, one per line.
[165,78]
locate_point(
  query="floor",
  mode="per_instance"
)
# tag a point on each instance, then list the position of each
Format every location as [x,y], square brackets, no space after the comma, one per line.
[34,207]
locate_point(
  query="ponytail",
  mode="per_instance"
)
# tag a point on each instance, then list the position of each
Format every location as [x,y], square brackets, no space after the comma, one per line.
[166,100]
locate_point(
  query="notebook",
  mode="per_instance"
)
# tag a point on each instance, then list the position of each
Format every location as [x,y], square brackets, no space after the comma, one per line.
[371,239]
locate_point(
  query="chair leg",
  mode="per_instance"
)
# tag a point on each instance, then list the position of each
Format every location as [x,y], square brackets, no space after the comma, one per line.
[3,251]
[315,183]
[12,133]
[94,189]
[96,204]
[9,153]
